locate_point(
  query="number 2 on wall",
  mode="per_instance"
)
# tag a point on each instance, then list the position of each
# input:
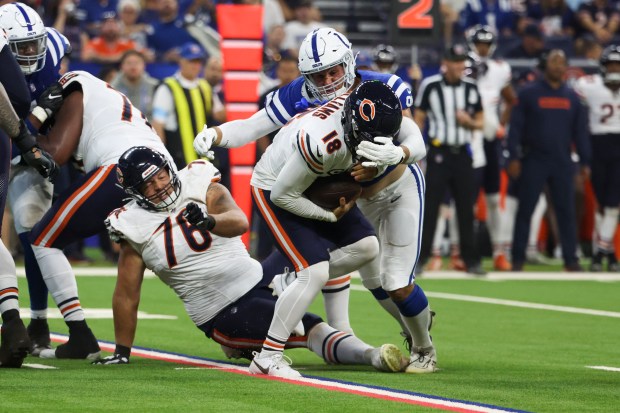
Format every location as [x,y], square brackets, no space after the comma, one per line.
[416,17]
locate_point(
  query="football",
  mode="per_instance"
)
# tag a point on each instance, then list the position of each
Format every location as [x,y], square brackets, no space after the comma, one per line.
[326,192]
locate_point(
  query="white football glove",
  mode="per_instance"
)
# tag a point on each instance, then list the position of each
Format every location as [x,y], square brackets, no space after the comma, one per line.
[381,152]
[281,281]
[203,142]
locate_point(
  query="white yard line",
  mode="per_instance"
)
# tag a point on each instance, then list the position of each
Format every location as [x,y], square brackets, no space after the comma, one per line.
[606,368]
[513,303]
[39,366]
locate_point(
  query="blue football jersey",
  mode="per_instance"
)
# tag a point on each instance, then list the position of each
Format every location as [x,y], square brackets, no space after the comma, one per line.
[284,103]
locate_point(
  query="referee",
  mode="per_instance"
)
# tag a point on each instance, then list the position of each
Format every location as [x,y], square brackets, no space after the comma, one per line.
[454,110]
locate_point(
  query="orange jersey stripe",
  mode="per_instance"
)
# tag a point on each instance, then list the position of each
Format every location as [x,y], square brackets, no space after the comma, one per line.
[280,235]
[339,280]
[70,209]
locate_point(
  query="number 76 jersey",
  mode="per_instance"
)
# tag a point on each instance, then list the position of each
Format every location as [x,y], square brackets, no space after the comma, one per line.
[206,271]
[603,104]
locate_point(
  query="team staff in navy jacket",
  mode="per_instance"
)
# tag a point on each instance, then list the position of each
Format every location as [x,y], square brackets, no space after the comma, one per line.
[547,121]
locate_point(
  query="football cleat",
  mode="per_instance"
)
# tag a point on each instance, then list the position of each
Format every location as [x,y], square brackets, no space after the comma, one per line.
[386,358]
[39,333]
[422,360]
[276,365]
[501,263]
[597,262]
[435,263]
[456,263]
[15,343]
[82,344]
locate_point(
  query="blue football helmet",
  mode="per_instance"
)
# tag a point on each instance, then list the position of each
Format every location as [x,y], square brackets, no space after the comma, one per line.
[481,34]
[611,54]
[136,167]
[371,110]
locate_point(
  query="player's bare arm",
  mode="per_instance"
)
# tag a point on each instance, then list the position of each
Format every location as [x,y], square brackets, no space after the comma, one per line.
[64,137]
[419,117]
[230,221]
[127,294]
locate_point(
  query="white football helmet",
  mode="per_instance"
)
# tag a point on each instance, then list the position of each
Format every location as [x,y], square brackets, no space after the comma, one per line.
[27,35]
[323,49]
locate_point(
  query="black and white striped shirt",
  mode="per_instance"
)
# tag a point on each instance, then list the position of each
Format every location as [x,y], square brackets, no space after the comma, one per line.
[441,101]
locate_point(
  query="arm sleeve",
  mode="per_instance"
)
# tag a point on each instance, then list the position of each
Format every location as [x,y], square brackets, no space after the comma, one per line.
[287,192]
[237,133]
[410,136]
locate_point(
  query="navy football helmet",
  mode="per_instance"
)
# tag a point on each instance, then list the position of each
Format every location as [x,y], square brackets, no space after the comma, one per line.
[371,110]
[611,54]
[481,34]
[139,164]
[384,59]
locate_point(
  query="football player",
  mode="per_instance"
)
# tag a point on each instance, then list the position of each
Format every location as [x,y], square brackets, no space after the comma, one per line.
[14,97]
[327,65]
[38,51]
[94,126]
[498,96]
[173,219]
[321,142]
[600,93]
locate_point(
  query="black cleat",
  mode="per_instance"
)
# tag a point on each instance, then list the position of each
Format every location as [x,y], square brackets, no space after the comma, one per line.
[39,333]
[15,343]
[597,262]
[82,344]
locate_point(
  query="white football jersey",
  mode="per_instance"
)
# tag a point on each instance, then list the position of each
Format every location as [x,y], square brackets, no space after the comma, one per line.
[111,124]
[490,86]
[206,271]
[316,136]
[603,104]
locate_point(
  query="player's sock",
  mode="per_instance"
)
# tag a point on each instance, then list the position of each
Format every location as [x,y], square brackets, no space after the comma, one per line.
[36,285]
[336,299]
[9,294]
[415,313]
[607,230]
[337,347]
[293,304]
[60,281]
[494,222]
[388,305]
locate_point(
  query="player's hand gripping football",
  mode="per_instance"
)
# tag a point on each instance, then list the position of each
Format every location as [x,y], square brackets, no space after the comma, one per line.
[203,142]
[34,156]
[113,359]
[380,152]
[198,217]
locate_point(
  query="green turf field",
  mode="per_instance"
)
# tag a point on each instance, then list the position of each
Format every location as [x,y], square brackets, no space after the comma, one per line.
[531,359]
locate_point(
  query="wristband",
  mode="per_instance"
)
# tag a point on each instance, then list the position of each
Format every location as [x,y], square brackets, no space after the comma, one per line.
[122,351]
[39,113]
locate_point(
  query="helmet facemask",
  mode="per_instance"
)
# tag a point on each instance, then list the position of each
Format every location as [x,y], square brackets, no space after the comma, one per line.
[30,53]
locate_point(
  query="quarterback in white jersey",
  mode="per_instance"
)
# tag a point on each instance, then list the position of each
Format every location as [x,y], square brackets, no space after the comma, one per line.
[186,228]
[94,126]
[601,94]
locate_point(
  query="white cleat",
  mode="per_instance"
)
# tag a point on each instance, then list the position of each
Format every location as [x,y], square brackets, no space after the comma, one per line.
[388,357]
[276,365]
[422,360]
